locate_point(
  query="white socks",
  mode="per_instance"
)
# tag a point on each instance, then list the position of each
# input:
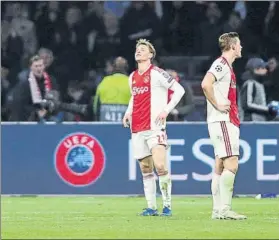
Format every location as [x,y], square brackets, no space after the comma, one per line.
[226,188]
[149,185]
[165,186]
[215,190]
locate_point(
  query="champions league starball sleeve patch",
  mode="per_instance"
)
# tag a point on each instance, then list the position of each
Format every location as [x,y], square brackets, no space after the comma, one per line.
[79,159]
[218,68]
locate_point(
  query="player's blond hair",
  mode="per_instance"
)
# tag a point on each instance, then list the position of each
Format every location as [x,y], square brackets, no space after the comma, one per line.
[226,40]
[148,44]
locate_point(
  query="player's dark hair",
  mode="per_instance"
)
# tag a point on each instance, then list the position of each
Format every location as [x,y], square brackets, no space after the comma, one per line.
[120,64]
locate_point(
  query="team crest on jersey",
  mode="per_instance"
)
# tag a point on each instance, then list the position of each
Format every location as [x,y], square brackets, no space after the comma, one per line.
[79,159]
[146,79]
[218,68]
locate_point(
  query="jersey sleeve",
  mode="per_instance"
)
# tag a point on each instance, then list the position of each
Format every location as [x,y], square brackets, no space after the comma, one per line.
[130,106]
[218,69]
[165,79]
[130,82]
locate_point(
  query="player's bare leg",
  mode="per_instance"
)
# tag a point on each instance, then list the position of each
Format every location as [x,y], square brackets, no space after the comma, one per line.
[149,184]
[215,187]
[159,155]
[226,188]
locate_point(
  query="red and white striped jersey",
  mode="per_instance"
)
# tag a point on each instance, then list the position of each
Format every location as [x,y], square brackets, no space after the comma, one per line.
[149,97]
[224,89]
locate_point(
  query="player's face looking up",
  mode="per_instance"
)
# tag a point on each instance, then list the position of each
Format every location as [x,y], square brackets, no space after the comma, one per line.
[143,53]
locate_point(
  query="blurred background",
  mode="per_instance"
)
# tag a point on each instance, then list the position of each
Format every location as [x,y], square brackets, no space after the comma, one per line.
[79,43]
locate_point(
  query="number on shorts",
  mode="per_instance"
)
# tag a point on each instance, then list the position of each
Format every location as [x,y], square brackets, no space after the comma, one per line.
[161,138]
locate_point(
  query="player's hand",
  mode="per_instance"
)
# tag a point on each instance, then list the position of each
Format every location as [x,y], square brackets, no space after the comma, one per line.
[224,108]
[174,112]
[126,120]
[161,118]
[42,113]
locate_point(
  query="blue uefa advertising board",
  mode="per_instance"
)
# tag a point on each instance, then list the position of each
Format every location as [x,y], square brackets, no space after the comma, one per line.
[98,159]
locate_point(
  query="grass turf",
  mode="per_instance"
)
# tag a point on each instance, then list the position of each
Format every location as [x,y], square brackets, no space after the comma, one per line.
[116,218]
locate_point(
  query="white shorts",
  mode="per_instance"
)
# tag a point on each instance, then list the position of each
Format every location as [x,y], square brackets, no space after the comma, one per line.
[144,141]
[225,138]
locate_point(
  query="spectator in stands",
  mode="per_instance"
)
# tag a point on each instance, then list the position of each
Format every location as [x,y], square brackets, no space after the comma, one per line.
[273,79]
[5,88]
[30,91]
[256,13]
[25,28]
[179,21]
[107,43]
[113,94]
[13,48]
[69,46]
[80,93]
[117,7]
[209,31]
[139,21]
[47,56]
[46,23]
[94,26]
[241,8]
[253,95]
[186,104]
[272,29]
[233,24]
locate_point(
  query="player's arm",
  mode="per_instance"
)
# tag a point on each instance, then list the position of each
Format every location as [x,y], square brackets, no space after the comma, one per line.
[208,90]
[187,102]
[215,73]
[127,117]
[178,92]
[130,107]
[168,82]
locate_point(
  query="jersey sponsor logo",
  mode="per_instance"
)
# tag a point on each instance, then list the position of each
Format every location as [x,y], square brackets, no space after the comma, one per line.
[79,159]
[139,90]
[218,68]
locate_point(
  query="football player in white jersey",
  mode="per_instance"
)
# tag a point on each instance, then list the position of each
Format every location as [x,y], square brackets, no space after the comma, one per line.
[219,87]
[146,114]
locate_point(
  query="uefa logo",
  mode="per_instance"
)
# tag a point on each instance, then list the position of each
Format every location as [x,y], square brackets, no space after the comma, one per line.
[79,159]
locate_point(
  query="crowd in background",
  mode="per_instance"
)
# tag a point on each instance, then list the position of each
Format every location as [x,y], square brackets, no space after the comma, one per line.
[78,41]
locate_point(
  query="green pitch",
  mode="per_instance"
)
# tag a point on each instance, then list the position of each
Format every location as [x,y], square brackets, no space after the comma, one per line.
[115,217]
